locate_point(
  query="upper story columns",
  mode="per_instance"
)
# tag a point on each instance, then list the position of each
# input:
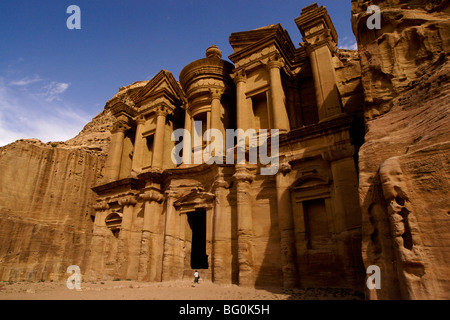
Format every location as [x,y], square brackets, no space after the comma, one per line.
[278,99]
[112,167]
[320,41]
[162,112]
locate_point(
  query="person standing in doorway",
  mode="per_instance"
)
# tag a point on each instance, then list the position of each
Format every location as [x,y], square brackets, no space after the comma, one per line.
[196,277]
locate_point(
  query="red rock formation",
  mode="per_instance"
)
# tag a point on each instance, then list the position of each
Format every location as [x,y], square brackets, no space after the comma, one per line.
[404,162]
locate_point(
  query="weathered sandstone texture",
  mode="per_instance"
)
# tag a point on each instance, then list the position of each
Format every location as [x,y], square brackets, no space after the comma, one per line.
[156,220]
[404,163]
[46,202]
[362,178]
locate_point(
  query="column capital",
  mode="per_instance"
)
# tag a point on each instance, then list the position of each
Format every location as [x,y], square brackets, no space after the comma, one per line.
[152,196]
[243,175]
[170,194]
[311,47]
[127,201]
[101,206]
[120,126]
[163,110]
[275,61]
[220,182]
[140,120]
[216,94]
[239,76]
[284,168]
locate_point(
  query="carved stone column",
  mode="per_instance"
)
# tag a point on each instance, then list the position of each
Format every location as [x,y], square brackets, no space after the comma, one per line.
[216,114]
[242,110]
[139,145]
[169,252]
[113,162]
[158,149]
[187,145]
[96,260]
[243,180]
[123,247]
[286,227]
[147,263]
[221,270]
[216,110]
[280,117]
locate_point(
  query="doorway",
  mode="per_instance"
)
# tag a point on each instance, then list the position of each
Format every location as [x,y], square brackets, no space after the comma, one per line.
[197,222]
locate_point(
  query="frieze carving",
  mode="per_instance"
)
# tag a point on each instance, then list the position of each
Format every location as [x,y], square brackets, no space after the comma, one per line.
[256,57]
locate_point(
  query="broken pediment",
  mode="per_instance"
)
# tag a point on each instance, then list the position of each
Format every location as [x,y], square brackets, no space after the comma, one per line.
[193,200]
[252,44]
[163,86]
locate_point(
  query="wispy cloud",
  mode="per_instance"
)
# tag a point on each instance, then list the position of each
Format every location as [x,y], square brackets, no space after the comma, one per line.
[37,111]
[54,89]
[348,43]
[25,81]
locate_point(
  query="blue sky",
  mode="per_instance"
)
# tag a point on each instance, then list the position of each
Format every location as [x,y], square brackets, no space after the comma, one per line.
[54,80]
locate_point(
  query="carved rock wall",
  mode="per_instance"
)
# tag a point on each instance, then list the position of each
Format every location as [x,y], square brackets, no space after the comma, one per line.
[404,162]
[46,203]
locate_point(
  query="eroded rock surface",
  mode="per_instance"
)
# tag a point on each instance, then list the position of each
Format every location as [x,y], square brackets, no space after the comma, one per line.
[46,202]
[404,162]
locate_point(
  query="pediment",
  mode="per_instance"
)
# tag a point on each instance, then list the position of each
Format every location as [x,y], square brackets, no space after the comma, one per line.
[193,200]
[248,43]
[117,106]
[310,181]
[240,40]
[163,85]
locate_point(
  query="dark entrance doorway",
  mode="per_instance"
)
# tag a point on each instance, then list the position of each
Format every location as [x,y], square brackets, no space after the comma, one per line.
[197,222]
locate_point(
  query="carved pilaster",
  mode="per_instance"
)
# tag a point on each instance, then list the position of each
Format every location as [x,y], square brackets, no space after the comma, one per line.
[286,226]
[243,180]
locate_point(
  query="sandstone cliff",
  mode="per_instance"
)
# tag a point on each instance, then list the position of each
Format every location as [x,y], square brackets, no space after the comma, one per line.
[404,163]
[45,202]
[46,214]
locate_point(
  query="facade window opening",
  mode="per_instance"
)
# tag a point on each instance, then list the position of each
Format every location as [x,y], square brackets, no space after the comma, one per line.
[149,151]
[260,111]
[316,224]
[114,223]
